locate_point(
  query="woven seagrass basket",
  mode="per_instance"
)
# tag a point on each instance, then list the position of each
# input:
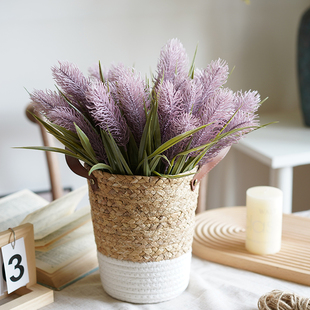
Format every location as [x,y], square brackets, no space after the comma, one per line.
[143,229]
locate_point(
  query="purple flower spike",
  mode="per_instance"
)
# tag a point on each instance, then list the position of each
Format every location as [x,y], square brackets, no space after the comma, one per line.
[179,125]
[117,71]
[57,110]
[47,101]
[246,104]
[72,82]
[133,97]
[192,93]
[210,80]
[106,113]
[173,64]
[169,107]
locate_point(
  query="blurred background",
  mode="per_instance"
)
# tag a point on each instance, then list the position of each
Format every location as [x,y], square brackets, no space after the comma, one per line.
[259,40]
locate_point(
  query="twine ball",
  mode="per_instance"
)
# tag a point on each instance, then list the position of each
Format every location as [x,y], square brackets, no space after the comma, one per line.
[279,300]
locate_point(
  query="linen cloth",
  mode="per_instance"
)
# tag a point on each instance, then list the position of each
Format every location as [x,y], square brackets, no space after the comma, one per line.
[212,287]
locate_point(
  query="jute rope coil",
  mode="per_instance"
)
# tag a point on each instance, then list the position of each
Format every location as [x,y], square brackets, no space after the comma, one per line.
[143,219]
[279,300]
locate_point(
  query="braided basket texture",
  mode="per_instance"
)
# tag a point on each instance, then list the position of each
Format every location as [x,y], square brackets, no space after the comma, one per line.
[143,219]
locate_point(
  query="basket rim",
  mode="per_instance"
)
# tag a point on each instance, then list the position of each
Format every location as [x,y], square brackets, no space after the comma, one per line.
[190,173]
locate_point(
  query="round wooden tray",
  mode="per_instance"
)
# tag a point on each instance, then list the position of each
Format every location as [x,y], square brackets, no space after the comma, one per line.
[220,237]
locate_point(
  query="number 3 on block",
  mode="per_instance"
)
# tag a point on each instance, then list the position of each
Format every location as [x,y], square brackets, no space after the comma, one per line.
[15,265]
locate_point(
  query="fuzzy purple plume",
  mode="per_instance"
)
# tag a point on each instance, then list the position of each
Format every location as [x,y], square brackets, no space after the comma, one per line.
[244,105]
[169,107]
[173,64]
[47,101]
[117,71]
[210,80]
[133,96]
[191,93]
[72,82]
[181,124]
[106,113]
[57,110]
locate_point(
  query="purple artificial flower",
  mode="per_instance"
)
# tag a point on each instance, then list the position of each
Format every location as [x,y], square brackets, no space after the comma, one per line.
[192,93]
[57,110]
[133,96]
[210,79]
[173,64]
[245,105]
[106,113]
[121,103]
[169,107]
[117,71]
[72,82]
[218,108]
[181,124]
[47,101]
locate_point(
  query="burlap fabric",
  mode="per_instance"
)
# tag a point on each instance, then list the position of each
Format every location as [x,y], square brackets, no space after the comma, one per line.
[143,219]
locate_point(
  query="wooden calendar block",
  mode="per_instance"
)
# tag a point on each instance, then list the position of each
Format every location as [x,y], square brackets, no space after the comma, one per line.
[32,296]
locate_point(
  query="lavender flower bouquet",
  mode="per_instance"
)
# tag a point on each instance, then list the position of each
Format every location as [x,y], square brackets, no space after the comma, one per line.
[116,121]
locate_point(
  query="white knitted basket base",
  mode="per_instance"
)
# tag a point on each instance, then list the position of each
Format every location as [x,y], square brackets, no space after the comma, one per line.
[149,282]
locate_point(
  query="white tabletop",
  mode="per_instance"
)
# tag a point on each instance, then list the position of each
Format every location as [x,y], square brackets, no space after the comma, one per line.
[285,144]
[212,287]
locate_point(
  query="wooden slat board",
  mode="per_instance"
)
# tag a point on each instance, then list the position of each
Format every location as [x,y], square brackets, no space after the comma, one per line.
[220,237]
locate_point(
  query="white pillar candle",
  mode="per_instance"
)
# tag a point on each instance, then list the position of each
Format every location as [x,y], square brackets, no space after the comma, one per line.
[264,220]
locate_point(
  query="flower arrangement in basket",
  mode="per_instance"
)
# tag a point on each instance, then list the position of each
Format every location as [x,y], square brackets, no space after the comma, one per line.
[141,141]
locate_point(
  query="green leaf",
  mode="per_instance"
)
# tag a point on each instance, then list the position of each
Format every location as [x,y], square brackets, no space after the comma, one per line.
[263,101]
[171,143]
[100,72]
[65,139]
[146,167]
[154,162]
[189,165]
[100,166]
[119,155]
[197,159]
[155,129]
[197,148]
[86,144]
[231,72]
[67,133]
[192,68]
[144,138]
[132,151]
[180,162]
[108,150]
[177,167]
[56,150]
[175,140]
[115,155]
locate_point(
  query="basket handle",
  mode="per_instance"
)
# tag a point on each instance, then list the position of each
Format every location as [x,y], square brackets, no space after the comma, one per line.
[208,167]
[75,165]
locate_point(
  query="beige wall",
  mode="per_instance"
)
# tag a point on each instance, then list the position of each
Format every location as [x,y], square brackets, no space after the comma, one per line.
[258,39]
